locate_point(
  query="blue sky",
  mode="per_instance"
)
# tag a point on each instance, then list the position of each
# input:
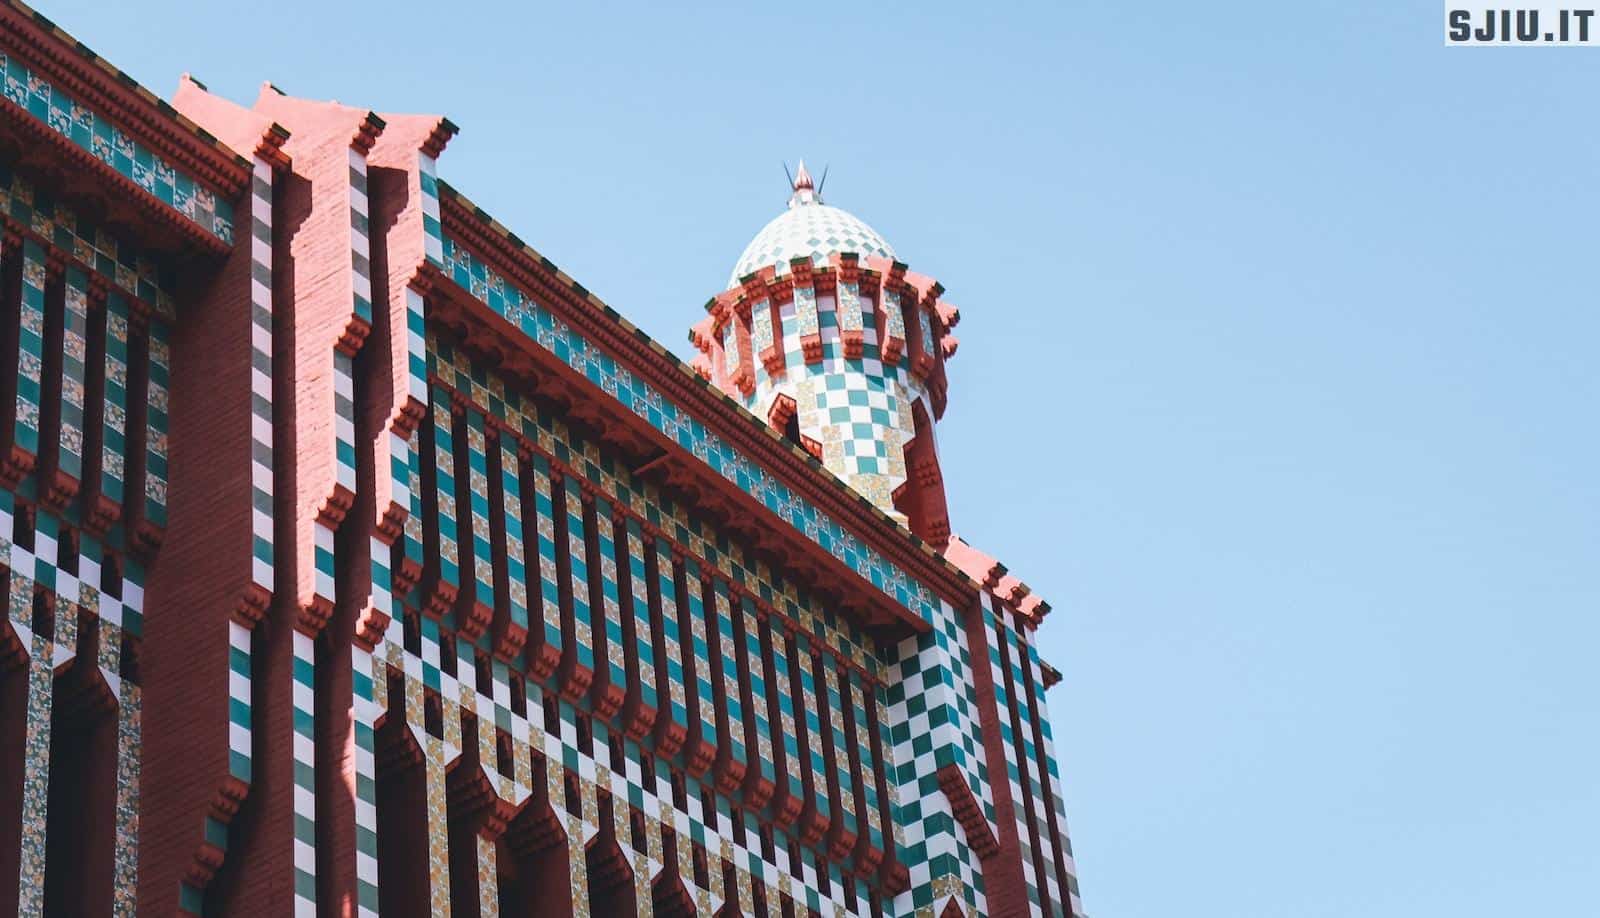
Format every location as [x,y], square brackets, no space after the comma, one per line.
[1277,371]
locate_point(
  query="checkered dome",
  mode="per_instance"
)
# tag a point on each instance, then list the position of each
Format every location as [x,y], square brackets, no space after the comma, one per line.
[811,229]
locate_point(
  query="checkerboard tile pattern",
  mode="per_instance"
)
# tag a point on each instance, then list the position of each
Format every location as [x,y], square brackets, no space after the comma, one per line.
[112,298]
[1006,678]
[616,381]
[598,769]
[932,719]
[832,687]
[1048,770]
[74,347]
[261,520]
[857,408]
[65,597]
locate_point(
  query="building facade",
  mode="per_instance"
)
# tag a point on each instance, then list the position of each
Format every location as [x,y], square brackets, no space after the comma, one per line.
[360,562]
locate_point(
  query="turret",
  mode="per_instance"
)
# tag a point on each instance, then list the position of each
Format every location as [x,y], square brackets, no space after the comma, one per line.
[824,333]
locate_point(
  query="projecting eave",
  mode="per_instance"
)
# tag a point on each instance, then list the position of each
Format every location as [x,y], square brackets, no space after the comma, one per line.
[994,577]
[96,86]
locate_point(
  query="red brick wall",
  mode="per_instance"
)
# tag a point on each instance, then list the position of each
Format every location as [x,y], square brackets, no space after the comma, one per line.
[201,575]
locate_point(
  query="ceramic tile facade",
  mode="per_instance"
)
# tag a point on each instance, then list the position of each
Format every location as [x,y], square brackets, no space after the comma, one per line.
[762,735]
[108,143]
[35,583]
[691,433]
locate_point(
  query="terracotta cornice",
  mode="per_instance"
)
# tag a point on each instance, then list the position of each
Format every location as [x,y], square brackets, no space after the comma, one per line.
[1052,676]
[645,356]
[438,137]
[367,133]
[153,207]
[96,83]
[270,147]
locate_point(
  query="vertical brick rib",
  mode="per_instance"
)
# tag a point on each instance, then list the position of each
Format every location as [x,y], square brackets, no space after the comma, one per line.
[1058,841]
[547,608]
[634,577]
[1003,882]
[700,748]
[577,651]
[672,722]
[1002,640]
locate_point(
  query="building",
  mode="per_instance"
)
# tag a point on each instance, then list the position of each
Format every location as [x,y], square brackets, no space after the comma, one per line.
[359,561]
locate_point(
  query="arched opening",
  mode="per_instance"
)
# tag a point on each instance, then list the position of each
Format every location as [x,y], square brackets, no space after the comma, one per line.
[469,802]
[402,800]
[610,874]
[730,893]
[532,857]
[80,830]
[669,897]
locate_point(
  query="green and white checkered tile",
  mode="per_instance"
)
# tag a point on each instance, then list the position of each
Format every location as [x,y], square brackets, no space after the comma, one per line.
[344,420]
[444,483]
[639,609]
[596,768]
[582,649]
[405,473]
[481,543]
[1046,761]
[727,666]
[926,720]
[433,236]
[511,514]
[261,519]
[756,671]
[869,774]
[817,763]
[549,597]
[610,606]
[1055,790]
[676,708]
[691,433]
[305,764]
[35,571]
[838,713]
[360,247]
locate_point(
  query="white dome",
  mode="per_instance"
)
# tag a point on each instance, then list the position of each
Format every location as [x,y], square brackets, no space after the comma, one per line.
[809,228]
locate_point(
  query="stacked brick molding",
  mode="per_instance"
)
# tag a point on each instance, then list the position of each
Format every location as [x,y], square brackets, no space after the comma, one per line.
[445,589]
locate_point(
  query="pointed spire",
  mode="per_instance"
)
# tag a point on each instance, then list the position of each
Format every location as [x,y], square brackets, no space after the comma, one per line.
[805,191]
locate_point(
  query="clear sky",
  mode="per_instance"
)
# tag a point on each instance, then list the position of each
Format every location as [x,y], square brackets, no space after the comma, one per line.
[1277,374]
